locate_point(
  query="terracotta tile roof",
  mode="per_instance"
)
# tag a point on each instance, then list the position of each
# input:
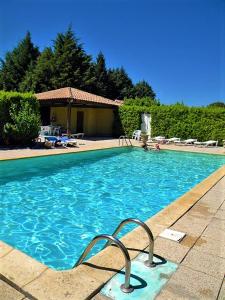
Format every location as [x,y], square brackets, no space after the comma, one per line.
[66,93]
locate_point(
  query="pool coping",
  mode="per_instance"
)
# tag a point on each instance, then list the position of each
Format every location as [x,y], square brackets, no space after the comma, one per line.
[37,281]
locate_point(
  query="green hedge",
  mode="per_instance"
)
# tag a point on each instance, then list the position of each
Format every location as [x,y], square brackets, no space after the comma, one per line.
[19,118]
[177,120]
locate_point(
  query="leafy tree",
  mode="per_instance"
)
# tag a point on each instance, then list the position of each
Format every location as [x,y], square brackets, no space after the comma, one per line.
[143,89]
[217,104]
[19,118]
[71,64]
[101,76]
[120,85]
[142,102]
[39,77]
[17,63]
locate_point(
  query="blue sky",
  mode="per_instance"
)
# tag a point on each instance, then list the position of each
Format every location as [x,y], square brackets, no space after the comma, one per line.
[178,46]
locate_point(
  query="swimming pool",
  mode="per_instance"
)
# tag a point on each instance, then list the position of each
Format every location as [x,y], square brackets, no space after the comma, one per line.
[51,207]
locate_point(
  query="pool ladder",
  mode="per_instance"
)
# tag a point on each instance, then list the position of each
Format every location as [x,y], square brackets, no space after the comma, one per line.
[123,139]
[111,239]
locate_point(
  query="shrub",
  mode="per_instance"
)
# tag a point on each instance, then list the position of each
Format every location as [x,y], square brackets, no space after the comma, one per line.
[177,120]
[19,118]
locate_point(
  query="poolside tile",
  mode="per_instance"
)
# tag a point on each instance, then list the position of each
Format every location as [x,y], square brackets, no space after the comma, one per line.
[189,240]
[12,264]
[100,297]
[207,263]
[191,225]
[220,214]
[170,250]
[210,246]
[68,285]
[155,228]
[190,284]
[214,233]
[218,223]
[223,206]
[9,293]
[202,212]
[4,249]
[212,199]
[222,292]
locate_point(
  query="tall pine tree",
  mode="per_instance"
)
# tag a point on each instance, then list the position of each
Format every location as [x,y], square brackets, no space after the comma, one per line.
[142,89]
[120,85]
[101,77]
[71,63]
[17,63]
[39,78]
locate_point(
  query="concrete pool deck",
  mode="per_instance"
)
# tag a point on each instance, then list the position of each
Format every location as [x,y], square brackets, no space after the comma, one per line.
[201,255]
[89,144]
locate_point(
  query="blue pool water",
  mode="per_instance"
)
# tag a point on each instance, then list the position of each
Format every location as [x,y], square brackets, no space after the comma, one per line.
[51,207]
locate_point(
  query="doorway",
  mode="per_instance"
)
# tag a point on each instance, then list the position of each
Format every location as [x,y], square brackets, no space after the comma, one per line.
[80,122]
[45,115]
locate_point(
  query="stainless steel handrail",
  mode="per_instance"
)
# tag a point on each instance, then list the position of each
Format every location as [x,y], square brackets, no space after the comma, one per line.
[124,138]
[149,262]
[126,287]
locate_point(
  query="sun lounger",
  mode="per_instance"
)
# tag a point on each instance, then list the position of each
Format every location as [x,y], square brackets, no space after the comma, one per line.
[173,140]
[79,135]
[207,143]
[59,141]
[160,139]
[68,141]
[187,142]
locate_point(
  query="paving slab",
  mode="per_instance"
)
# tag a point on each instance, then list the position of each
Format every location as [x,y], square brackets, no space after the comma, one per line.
[170,250]
[9,293]
[190,284]
[218,223]
[220,214]
[11,264]
[100,297]
[214,233]
[202,212]
[4,249]
[222,292]
[213,199]
[65,285]
[210,246]
[223,206]
[207,263]
[191,225]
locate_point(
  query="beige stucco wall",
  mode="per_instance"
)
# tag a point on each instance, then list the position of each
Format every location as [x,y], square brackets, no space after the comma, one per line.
[97,121]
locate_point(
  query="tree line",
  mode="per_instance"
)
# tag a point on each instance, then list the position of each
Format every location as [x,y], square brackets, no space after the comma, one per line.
[65,64]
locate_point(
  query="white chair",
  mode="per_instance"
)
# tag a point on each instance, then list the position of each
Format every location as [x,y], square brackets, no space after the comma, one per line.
[46,130]
[136,135]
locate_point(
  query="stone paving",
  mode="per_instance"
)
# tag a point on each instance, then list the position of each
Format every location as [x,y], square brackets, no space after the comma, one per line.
[202,266]
[93,144]
[9,293]
[201,254]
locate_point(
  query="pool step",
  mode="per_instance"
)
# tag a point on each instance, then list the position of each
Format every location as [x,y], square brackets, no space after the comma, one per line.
[147,282]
